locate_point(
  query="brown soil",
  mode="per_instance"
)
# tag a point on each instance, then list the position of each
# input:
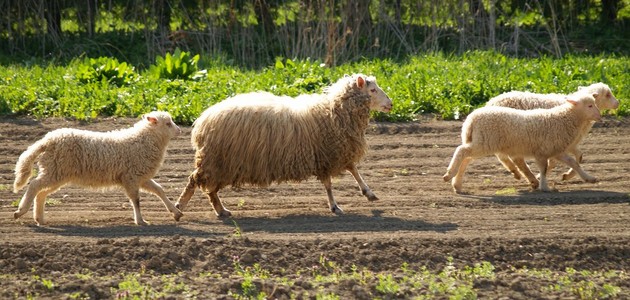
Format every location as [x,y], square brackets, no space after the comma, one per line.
[288,228]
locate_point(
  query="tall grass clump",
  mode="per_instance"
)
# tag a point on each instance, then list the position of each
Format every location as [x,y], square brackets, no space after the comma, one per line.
[444,85]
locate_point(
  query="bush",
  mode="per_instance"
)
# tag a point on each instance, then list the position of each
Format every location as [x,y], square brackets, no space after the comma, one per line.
[179,65]
[106,68]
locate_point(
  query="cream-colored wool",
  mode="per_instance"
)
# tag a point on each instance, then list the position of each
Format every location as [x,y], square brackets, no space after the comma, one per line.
[259,139]
[128,158]
[539,133]
[604,99]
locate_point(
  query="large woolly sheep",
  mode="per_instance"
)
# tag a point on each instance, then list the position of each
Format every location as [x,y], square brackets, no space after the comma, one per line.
[525,100]
[259,139]
[128,158]
[539,133]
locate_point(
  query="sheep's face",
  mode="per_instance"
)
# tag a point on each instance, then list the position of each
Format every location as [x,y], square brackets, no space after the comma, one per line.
[586,104]
[606,100]
[163,123]
[379,100]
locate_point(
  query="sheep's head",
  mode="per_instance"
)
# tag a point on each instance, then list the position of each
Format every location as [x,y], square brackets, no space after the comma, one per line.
[605,98]
[162,122]
[379,100]
[585,103]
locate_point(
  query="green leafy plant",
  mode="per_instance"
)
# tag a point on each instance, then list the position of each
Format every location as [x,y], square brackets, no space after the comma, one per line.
[179,65]
[108,69]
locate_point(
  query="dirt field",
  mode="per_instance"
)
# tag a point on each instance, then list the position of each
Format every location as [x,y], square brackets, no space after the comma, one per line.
[287,229]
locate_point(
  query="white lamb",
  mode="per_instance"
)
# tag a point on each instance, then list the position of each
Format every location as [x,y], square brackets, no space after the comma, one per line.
[539,133]
[260,139]
[128,158]
[525,100]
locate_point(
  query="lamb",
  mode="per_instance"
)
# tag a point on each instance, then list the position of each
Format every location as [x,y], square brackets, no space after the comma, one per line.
[259,138]
[128,158]
[525,100]
[538,133]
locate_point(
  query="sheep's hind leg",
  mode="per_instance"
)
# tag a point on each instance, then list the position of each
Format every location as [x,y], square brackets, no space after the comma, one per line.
[219,209]
[458,180]
[565,158]
[365,189]
[332,204]
[527,172]
[507,162]
[156,189]
[187,193]
[455,167]
[40,203]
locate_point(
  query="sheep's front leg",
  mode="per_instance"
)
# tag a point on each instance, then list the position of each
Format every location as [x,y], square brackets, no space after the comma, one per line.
[27,199]
[572,172]
[365,190]
[565,158]
[507,162]
[219,209]
[133,193]
[542,165]
[155,188]
[332,204]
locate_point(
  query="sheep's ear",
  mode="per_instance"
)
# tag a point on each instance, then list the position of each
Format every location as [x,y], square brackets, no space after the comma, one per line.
[360,82]
[151,119]
[572,101]
[595,95]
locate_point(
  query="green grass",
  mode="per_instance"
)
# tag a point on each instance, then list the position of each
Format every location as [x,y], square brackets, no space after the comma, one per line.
[446,85]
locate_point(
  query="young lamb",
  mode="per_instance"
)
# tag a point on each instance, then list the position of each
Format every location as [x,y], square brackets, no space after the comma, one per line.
[525,100]
[259,139]
[128,158]
[539,133]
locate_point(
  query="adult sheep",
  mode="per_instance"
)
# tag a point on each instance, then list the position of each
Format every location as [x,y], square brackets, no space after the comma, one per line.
[524,100]
[539,133]
[260,138]
[128,158]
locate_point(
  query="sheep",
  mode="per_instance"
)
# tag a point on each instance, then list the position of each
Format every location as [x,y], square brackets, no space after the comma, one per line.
[128,158]
[537,133]
[259,138]
[525,100]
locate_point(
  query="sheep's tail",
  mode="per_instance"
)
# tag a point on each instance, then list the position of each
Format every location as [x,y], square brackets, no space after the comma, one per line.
[24,165]
[467,131]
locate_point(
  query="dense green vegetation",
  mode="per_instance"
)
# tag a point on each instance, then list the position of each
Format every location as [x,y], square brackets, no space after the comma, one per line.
[449,86]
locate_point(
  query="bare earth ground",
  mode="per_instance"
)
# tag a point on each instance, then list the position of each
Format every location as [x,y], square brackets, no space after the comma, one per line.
[288,229]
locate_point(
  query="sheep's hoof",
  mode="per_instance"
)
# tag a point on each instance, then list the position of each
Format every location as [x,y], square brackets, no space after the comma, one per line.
[567,176]
[142,223]
[17,214]
[337,210]
[224,214]
[371,197]
[179,206]
[177,215]
[591,179]
[446,177]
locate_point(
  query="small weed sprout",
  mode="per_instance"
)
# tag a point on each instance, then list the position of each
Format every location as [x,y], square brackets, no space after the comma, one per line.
[237,230]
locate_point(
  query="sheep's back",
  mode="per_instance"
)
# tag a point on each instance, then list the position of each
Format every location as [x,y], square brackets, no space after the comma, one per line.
[526,100]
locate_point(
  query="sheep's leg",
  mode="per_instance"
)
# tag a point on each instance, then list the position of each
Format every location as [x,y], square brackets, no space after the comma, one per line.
[454,168]
[332,204]
[155,188]
[527,172]
[565,158]
[34,188]
[40,203]
[133,193]
[219,209]
[458,180]
[507,162]
[365,190]
[572,172]
[542,165]
[187,193]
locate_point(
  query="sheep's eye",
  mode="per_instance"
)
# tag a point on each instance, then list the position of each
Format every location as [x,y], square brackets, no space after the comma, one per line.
[590,106]
[169,124]
[373,90]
